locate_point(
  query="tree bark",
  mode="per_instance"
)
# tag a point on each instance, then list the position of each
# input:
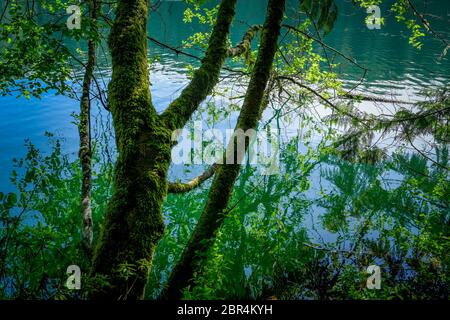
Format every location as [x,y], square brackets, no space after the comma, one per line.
[214,212]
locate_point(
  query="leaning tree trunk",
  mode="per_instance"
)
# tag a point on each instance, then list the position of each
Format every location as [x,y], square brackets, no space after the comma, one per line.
[222,186]
[133,221]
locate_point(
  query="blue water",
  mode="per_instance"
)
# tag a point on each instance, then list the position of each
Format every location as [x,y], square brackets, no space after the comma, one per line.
[395,68]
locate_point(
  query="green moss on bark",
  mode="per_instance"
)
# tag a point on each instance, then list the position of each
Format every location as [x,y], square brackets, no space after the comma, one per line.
[133,222]
[214,212]
[207,76]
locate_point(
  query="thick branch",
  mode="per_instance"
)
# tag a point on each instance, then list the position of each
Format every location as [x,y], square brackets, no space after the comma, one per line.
[178,187]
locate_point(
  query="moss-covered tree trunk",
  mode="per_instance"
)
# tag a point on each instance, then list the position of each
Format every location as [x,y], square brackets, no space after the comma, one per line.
[85,151]
[222,186]
[133,221]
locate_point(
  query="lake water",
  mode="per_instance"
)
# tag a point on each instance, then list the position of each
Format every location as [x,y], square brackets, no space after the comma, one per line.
[395,69]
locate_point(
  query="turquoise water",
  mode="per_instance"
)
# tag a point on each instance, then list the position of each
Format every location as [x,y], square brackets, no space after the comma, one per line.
[395,69]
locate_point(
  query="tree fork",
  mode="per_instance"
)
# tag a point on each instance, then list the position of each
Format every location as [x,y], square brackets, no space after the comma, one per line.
[133,220]
[85,151]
